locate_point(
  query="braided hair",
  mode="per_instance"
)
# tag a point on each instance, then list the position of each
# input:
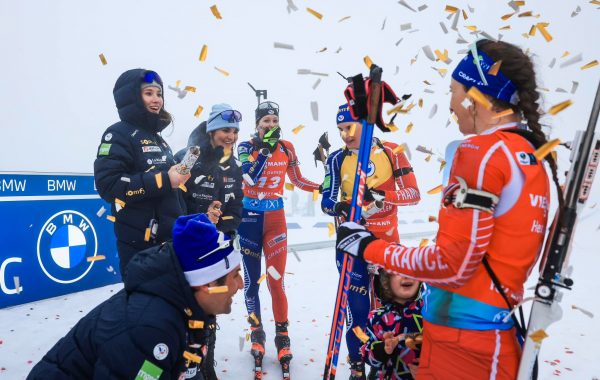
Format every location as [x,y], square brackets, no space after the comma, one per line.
[518,67]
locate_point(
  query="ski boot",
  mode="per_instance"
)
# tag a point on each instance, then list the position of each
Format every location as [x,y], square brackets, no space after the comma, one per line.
[257,337]
[357,371]
[284,353]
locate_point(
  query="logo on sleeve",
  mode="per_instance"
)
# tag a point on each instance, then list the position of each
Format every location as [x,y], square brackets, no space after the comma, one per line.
[149,371]
[104,149]
[108,136]
[161,351]
[525,158]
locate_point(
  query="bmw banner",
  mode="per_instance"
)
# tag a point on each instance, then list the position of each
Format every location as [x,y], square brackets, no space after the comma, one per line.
[56,235]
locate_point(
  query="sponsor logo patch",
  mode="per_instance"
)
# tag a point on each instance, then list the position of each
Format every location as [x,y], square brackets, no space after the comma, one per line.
[104,149]
[161,351]
[151,148]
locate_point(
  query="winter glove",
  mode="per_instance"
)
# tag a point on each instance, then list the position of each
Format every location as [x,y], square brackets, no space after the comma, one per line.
[372,195]
[343,210]
[353,239]
[270,139]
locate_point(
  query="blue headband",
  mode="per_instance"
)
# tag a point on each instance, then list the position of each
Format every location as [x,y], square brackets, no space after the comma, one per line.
[469,73]
[344,115]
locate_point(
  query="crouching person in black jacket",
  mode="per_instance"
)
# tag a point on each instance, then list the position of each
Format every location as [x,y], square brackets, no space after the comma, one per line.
[215,185]
[155,328]
[135,170]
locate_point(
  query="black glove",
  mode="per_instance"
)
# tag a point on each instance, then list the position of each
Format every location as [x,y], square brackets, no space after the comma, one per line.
[353,239]
[372,195]
[271,138]
[343,210]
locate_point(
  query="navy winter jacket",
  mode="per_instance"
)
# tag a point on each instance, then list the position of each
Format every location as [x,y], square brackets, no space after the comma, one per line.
[131,168]
[143,326]
[211,181]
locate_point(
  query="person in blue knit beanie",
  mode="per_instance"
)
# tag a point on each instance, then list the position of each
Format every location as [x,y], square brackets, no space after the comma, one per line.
[159,325]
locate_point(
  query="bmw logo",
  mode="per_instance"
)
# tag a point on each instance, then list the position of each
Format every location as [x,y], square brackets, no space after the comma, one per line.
[65,242]
[370,169]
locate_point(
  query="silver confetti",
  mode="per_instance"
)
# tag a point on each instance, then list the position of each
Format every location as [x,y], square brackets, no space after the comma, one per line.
[338,50]
[404,27]
[291,5]
[303,71]
[429,91]
[242,341]
[402,2]
[433,111]
[296,255]
[400,40]
[576,11]
[101,212]
[314,87]
[422,8]
[471,9]
[126,179]
[552,63]
[574,87]
[455,21]
[397,70]
[383,25]
[428,53]
[279,45]
[561,90]
[571,61]
[319,74]
[314,109]
[587,313]
[17,284]
[444,27]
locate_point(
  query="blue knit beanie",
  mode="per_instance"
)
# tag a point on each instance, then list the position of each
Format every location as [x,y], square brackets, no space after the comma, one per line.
[215,121]
[344,115]
[204,253]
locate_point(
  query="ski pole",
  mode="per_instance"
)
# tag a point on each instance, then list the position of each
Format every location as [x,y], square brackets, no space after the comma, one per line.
[360,179]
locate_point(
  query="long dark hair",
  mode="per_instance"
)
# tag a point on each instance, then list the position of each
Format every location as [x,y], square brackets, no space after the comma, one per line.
[518,67]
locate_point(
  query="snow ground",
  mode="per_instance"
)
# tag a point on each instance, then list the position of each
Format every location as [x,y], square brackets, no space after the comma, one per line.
[571,351]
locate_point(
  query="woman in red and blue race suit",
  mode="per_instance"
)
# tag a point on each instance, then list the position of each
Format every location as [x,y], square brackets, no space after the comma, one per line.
[391,182]
[266,159]
[494,212]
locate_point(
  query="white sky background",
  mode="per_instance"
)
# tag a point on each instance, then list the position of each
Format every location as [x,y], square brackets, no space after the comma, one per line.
[57,97]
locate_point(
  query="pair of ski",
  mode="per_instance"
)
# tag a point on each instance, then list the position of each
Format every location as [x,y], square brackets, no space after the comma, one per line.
[258,371]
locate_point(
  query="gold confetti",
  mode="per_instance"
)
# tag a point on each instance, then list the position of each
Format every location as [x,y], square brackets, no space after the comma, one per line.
[199,110]
[158,179]
[352,129]
[331,229]
[538,335]
[542,28]
[344,18]
[423,243]
[203,54]
[103,59]
[427,82]
[273,273]
[500,114]
[111,218]
[442,72]
[507,27]
[177,83]
[548,147]
[222,71]
[289,186]
[216,12]
[559,107]
[391,127]
[507,16]
[182,187]
[191,357]
[432,219]
[589,65]
[464,14]
[314,13]
[189,89]
[396,109]
[119,202]
[297,129]
[472,28]
[261,279]
[526,14]
[360,334]
[495,68]
[147,234]
[315,195]
[428,158]
[479,97]
[435,190]
[532,30]
[420,103]
[442,56]
[409,127]
[451,9]
[368,61]
[195,324]
[96,258]
[218,289]
[228,217]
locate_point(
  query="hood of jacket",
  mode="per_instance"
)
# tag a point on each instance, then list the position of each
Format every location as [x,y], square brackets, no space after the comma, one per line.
[128,99]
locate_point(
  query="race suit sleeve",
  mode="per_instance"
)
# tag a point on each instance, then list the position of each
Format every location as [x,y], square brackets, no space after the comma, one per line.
[293,171]
[464,233]
[116,177]
[331,183]
[251,168]
[407,191]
